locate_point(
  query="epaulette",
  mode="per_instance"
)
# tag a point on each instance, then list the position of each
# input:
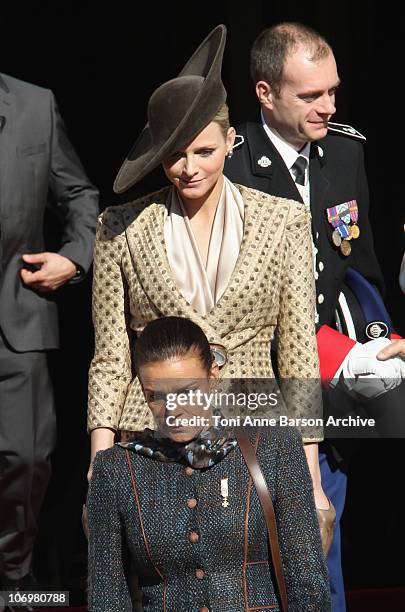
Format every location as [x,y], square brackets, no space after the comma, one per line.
[239,140]
[346,130]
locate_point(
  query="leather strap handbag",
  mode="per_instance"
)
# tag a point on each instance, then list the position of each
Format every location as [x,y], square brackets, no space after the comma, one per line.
[263,493]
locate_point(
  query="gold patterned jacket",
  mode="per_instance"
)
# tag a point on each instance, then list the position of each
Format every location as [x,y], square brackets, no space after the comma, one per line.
[271,286]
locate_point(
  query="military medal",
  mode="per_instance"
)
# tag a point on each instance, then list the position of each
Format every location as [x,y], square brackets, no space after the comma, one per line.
[224,492]
[344,213]
[345,248]
[336,238]
[343,218]
[334,220]
[344,231]
[355,231]
[354,217]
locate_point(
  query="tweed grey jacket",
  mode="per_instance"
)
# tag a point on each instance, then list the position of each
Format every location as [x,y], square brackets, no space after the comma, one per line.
[167,521]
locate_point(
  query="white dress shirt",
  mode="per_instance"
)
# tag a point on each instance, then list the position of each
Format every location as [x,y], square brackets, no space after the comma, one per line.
[289,155]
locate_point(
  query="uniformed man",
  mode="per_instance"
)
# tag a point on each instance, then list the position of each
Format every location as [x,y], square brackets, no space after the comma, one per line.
[296,152]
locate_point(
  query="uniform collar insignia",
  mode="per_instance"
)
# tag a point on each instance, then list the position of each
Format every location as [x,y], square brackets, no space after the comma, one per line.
[347,130]
[264,161]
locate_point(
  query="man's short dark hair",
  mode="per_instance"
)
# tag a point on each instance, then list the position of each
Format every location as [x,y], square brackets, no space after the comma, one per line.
[273,45]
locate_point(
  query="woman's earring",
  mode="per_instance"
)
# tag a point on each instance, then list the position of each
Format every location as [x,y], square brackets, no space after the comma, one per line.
[229,153]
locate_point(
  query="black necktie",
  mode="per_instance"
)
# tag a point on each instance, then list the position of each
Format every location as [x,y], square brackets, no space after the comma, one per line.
[299,168]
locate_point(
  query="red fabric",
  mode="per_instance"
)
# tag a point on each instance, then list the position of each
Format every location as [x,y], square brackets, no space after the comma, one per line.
[395,337]
[332,349]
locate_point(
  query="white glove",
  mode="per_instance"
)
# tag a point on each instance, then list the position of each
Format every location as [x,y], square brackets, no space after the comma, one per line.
[366,375]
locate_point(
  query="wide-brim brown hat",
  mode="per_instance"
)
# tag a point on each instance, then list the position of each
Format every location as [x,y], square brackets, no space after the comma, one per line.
[178,110]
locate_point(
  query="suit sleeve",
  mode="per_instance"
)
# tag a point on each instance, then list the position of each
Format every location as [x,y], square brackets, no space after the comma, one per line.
[305,570]
[110,370]
[108,589]
[74,197]
[297,356]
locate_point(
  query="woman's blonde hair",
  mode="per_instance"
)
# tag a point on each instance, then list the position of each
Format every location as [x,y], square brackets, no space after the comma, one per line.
[222,118]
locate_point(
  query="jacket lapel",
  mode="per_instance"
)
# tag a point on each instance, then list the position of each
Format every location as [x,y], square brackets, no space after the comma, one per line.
[148,232]
[262,151]
[319,184]
[280,181]
[148,252]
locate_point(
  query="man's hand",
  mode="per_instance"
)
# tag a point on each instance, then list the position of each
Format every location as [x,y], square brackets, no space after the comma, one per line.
[54,271]
[396,348]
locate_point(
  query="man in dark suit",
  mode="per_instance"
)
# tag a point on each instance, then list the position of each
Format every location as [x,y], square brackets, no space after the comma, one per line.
[296,152]
[38,166]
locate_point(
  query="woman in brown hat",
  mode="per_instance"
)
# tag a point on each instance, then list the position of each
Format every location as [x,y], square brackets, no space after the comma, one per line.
[235,261]
[179,506]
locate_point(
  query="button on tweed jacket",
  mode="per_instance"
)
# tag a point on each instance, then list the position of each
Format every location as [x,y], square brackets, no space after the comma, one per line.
[272,286]
[224,566]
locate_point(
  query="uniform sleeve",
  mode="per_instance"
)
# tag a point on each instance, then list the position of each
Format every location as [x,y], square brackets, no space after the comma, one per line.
[74,197]
[108,588]
[110,370]
[297,355]
[304,565]
[333,346]
[363,257]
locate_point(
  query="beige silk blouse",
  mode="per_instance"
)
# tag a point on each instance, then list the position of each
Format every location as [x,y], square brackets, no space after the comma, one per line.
[203,285]
[269,283]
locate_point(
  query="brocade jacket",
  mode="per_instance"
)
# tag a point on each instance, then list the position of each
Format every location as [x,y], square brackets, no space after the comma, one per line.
[271,289]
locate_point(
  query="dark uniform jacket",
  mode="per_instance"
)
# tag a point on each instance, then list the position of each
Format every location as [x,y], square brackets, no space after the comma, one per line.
[337,175]
[192,554]
[36,157]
